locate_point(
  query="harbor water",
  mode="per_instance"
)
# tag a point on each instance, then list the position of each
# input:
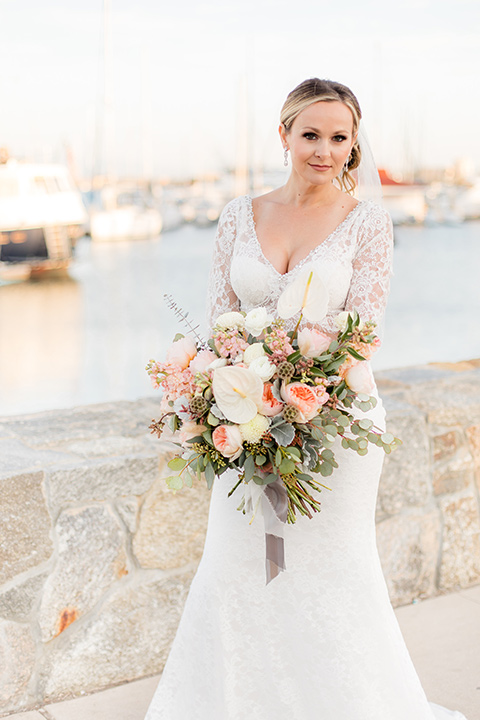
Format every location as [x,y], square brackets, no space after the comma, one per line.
[86,336]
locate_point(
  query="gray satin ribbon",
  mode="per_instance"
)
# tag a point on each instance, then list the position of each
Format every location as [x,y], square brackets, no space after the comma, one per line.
[275,506]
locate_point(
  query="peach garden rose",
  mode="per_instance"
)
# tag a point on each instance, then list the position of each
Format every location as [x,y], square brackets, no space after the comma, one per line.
[303,397]
[228,440]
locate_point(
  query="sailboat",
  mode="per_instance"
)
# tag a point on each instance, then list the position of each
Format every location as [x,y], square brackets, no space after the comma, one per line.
[116,212]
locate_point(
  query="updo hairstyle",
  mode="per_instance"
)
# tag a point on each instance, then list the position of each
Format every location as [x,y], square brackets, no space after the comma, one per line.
[315,90]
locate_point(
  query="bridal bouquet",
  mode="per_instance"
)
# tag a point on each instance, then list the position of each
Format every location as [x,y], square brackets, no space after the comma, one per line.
[268,403]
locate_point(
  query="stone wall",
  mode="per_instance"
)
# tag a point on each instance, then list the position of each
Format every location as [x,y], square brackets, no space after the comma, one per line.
[96,555]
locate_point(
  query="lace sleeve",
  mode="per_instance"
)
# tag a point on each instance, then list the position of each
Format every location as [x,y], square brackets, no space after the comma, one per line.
[220,294]
[372,267]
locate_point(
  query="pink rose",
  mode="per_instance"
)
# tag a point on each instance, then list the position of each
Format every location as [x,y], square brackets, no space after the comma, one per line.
[189,430]
[270,405]
[359,378]
[181,352]
[228,440]
[303,397]
[312,343]
[201,361]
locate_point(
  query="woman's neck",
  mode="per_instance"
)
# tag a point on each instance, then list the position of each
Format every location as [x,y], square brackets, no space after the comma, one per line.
[297,192]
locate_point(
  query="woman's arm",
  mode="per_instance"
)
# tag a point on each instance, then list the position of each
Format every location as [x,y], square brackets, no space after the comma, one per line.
[220,295]
[372,267]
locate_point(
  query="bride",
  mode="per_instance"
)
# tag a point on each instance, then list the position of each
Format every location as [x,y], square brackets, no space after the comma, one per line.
[321,641]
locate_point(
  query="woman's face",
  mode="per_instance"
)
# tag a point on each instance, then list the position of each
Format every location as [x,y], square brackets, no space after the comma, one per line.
[320,140]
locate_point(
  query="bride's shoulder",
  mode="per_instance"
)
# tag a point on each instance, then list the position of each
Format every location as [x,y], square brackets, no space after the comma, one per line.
[374,212]
[235,207]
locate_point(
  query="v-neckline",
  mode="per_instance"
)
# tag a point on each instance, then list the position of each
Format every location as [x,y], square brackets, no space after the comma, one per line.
[253,229]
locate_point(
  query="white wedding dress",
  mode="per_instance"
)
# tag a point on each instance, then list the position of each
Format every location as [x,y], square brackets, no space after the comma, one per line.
[321,641]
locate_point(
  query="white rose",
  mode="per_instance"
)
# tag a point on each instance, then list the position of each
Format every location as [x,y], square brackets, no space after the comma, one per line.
[342,319]
[257,320]
[359,378]
[230,320]
[253,352]
[263,368]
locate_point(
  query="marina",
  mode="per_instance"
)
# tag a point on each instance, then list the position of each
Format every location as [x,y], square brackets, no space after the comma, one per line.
[84,336]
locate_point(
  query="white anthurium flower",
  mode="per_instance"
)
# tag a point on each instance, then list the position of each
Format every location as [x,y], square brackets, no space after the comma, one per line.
[307,294]
[263,368]
[257,320]
[252,352]
[230,320]
[238,393]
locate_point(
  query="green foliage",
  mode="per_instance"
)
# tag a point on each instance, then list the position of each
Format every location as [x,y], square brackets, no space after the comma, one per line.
[177,463]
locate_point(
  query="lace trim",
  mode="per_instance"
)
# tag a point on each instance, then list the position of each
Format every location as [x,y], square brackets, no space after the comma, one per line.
[253,232]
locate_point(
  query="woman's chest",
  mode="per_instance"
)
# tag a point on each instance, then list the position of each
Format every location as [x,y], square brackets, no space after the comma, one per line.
[256,281]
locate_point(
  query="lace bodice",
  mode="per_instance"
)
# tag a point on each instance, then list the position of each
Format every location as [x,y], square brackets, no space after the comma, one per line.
[354,261]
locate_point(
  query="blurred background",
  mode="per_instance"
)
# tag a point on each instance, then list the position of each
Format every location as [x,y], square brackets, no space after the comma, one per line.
[125,129]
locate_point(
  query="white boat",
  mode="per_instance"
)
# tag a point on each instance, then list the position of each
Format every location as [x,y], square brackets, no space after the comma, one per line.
[41,217]
[404,201]
[123,216]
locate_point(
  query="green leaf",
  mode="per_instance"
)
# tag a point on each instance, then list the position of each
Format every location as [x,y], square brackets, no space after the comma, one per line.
[345,443]
[303,476]
[267,349]
[266,480]
[212,420]
[355,354]
[249,468]
[333,346]
[326,469]
[387,438]
[331,430]
[365,424]
[283,433]
[362,451]
[260,460]
[287,466]
[294,357]
[207,435]
[209,475]
[178,336]
[294,451]
[177,463]
[188,479]
[175,482]
[278,457]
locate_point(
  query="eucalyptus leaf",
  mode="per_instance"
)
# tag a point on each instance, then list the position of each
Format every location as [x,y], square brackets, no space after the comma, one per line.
[249,468]
[175,482]
[177,463]
[188,479]
[178,336]
[215,410]
[386,438]
[287,466]
[209,475]
[326,469]
[212,420]
[365,424]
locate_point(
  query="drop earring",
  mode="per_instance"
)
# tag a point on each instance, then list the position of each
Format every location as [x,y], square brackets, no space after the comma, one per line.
[285,157]
[345,167]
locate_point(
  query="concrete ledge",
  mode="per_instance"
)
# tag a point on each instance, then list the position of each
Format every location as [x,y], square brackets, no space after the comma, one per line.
[96,555]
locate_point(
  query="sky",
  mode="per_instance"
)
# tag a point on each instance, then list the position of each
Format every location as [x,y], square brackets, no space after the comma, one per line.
[188,81]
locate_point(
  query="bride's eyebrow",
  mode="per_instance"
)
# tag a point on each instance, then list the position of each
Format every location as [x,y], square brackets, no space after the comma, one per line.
[318,131]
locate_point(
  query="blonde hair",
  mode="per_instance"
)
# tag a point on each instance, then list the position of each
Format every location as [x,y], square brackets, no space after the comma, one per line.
[315,90]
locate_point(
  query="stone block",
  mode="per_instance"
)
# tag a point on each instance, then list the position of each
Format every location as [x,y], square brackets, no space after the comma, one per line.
[17,457]
[172,526]
[16,603]
[17,661]
[446,407]
[25,524]
[473,437]
[408,546]
[91,556]
[446,444]
[406,476]
[460,562]
[455,474]
[89,422]
[128,639]
[107,446]
[100,479]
